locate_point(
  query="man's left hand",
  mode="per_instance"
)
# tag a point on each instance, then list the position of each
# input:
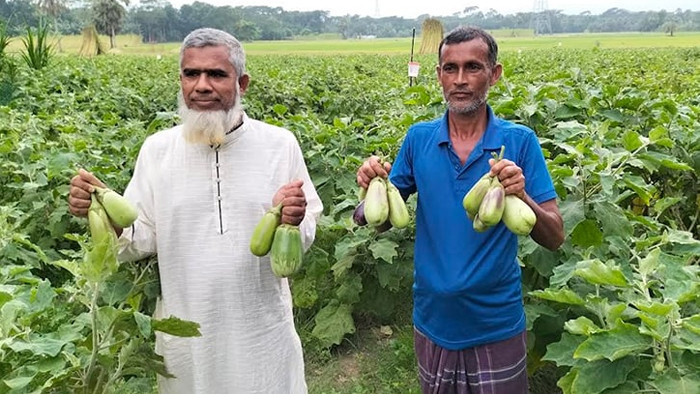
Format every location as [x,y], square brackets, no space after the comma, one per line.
[293,202]
[510,175]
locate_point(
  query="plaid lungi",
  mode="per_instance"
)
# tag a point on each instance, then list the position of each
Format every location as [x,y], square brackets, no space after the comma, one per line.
[494,368]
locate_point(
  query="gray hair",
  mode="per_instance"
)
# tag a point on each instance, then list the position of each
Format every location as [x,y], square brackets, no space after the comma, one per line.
[213,37]
[468,33]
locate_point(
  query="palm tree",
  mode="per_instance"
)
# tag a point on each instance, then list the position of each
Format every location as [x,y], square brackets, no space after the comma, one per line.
[108,16]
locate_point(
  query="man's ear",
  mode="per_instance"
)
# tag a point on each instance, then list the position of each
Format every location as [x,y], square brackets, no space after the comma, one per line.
[496,74]
[243,83]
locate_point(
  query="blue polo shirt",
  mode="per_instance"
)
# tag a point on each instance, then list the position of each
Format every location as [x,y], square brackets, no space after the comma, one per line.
[467,287]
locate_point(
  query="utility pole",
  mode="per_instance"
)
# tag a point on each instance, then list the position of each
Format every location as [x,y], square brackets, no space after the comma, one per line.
[540,18]
[376,9]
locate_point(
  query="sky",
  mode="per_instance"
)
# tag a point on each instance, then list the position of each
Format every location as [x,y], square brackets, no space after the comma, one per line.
[449,7]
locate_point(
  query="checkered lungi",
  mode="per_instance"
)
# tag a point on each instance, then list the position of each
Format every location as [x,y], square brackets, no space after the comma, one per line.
[494,368]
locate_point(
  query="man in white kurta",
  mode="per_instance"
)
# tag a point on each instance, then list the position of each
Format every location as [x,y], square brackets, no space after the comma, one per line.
[198,206]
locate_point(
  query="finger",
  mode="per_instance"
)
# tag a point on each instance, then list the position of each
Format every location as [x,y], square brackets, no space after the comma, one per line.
[377,167]
[295,184]
[293,192]
[387,167]
[79,193]
[78,212]
[78,207]
[90,178]
[362,181]
[294,211]
[294,201]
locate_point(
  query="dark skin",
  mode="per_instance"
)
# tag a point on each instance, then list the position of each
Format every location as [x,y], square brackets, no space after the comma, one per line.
[208,79]
[466,75]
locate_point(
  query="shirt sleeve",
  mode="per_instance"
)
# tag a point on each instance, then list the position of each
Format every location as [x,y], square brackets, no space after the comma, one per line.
[139,240]
[314,206]
[402,175]
[538,182]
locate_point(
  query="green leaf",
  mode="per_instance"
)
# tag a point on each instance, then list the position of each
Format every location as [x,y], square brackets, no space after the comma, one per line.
[533,311]
[143,322]
[177,327]
[614,344]
[581,326]
[562,352]
[572,212]
[631,140]
[660,136]
[598,273]
[19,382]
[564,296]
[333,322]
[643,190]
[597,376]
[687,338]
[587,234]
[671,382]
[304,293]
[279,109]
[350,289]
[661,159]
[566,383]
[612,219]
[613,115]
[384,249]
[38,345]
[655,307]
[650,262]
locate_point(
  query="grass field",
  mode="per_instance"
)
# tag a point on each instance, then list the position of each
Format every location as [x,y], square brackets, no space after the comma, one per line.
[519,40]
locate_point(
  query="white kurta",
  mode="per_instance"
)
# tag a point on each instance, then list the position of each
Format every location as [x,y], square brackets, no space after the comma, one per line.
[198,207]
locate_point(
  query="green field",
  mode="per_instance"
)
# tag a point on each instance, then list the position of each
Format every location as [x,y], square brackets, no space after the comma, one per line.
[517,40]
[615,310]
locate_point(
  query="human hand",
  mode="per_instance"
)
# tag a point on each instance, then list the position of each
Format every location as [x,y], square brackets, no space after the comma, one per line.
[81,187]
[510,175]
[293,201]
[372,168]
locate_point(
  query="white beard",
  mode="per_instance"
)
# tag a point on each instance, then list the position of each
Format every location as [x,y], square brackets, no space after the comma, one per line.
[209,127]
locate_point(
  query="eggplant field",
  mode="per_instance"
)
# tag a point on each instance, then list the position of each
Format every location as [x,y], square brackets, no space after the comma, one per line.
[615,310]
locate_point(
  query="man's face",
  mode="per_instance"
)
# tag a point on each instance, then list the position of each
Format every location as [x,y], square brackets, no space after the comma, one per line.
[208,79]
[466,76]
[209,102]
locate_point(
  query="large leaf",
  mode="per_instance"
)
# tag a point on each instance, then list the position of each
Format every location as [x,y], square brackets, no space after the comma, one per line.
[384,249]
[562,352]
[598,273]
[614,344]
[350,289]
[572,212]
[333,322]
[177,327]
[594,377]
[564,296]
[38,345]
[671,382]
[581,326]
[587,233]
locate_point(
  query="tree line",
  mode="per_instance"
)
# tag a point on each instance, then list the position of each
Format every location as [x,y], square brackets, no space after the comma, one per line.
[159,21]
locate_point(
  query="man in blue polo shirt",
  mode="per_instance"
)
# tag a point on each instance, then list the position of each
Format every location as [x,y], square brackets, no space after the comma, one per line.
[468,311]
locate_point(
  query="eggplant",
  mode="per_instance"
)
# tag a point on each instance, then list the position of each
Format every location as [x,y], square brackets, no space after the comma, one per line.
[358,216]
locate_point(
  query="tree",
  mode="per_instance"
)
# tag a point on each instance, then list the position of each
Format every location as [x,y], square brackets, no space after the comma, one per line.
[53,8]
[108,16]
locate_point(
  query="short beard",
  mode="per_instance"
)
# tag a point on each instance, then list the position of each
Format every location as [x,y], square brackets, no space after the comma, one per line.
[466,109]
[209,127]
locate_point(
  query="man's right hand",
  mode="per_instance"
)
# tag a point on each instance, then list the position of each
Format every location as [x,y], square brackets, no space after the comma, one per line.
[372,168]
[81,186]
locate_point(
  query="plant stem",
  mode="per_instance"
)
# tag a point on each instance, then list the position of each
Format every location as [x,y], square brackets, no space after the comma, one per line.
[95,347]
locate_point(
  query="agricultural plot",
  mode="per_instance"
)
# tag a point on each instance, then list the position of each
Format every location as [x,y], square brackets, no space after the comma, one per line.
[615,310]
